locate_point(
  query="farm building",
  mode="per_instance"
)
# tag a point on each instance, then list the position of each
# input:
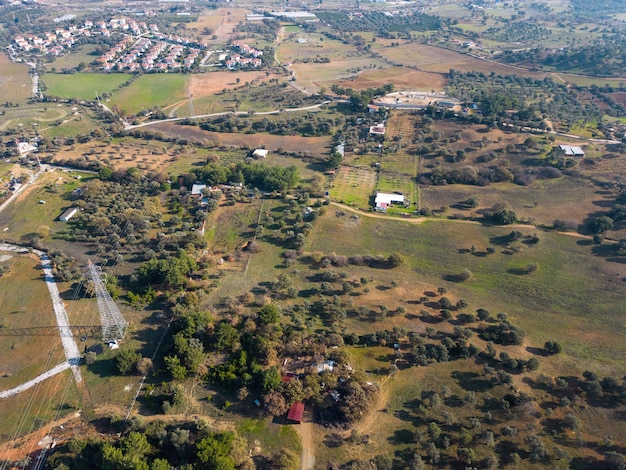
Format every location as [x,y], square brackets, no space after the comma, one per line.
[572,151]
[384,200]
[296,412]
[68,214]
[197,190]
[378,129]
[260,153]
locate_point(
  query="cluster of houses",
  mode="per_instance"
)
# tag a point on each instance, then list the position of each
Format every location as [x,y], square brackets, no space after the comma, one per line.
[244,56]
[148,55]
[55,43]
[143,46]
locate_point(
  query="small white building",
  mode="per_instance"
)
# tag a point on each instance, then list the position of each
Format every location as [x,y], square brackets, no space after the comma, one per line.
[385,200]
[572,151]
[197,190]
[68,214]
[260,153]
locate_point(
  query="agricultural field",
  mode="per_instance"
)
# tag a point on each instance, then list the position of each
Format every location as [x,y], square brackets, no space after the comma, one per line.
[220,22]
[27,116]
[15,83]
[402,79]
[83,86]
[354,186]
[436,59]
[533,301]
[149,91]
[316,146]
[312,77]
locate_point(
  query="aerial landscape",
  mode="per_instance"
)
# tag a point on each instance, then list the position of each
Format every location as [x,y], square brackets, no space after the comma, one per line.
[339,234]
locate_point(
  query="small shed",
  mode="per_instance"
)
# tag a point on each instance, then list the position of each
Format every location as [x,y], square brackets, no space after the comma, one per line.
[572,150]
[260,153]
[68,214]
[296,412]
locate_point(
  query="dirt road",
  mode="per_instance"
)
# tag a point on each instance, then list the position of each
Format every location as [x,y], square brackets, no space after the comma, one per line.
[305,430]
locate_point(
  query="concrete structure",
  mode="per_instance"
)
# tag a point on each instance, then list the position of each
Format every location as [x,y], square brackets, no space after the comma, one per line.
[385,200]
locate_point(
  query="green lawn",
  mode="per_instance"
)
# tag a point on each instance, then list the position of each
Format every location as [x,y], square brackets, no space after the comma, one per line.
[83,86]
[151,90]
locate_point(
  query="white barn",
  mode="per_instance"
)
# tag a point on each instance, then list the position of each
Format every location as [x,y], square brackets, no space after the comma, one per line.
[384,200]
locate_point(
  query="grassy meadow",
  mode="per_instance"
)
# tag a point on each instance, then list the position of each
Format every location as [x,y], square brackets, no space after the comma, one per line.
[559,300]
[82,85]
[15,83]
[149,91]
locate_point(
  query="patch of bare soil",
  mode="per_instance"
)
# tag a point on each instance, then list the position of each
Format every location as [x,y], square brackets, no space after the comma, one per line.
[204,84]
[310,145]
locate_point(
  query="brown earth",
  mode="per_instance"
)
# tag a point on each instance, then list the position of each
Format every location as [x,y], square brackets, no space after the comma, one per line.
[402,79]
[213,82]
[316,146]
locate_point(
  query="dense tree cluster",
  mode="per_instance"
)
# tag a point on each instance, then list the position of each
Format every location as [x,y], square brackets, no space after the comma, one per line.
[259,175]
[378,21]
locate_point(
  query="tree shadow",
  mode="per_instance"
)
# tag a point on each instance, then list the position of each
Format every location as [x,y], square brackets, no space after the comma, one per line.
[537,351]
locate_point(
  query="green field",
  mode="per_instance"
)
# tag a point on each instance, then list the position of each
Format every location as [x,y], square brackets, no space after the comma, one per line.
[558,301]
[82,86]
[15,83]
[149,91]
[71,60]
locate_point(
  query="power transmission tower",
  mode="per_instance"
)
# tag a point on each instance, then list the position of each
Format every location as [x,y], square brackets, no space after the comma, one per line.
[191,105]
[113,323]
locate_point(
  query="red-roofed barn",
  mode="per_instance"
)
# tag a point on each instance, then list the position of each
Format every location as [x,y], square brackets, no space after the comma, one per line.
[295,412]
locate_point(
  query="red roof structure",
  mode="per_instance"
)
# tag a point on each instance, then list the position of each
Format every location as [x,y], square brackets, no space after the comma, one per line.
[295,412]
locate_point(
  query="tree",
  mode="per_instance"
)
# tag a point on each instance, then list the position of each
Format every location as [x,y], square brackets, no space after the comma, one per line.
[601,224]
[553,347]
[214,451]
[126,361]
[269,314]
[286,460]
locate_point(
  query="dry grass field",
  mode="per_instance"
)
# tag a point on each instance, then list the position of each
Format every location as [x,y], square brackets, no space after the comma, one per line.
[316,146]
[435,59]
[220,22]
[402,79]
[203,84]
[303,46]
[313,76]
[15,84]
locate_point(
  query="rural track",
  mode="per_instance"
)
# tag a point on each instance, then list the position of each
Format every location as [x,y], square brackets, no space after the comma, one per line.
[419,220]
[129,127]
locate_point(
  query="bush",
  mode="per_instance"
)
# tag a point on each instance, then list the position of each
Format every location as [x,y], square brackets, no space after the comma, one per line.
[552,347]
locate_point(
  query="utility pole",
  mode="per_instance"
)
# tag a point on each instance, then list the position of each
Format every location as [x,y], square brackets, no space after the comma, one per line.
[113,323]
